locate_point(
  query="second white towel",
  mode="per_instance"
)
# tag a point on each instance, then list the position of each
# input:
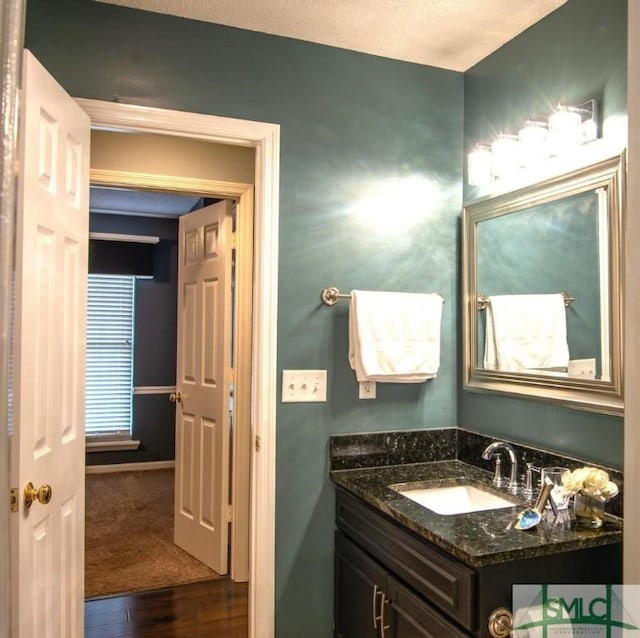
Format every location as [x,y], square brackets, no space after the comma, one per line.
[526,332]
[394,337]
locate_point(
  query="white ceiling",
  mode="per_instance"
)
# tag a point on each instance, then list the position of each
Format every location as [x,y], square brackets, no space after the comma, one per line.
[451,34]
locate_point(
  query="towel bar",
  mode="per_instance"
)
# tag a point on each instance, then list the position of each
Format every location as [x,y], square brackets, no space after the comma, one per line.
[483,300]
[331,295]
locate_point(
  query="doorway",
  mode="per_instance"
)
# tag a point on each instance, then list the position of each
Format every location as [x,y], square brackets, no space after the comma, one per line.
[130,544]
[168,193]
[265,139]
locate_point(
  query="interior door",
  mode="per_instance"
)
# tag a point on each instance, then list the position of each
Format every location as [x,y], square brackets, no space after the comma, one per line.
[47,439]
[203,381]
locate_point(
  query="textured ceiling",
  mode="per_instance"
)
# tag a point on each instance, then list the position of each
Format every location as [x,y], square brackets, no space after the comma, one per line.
[451,34]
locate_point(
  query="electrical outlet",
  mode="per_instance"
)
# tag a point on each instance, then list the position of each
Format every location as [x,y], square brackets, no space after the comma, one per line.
[584,368]
[367,390]
[304,386]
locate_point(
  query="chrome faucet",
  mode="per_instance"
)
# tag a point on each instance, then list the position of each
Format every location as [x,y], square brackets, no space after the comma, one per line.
[492,450]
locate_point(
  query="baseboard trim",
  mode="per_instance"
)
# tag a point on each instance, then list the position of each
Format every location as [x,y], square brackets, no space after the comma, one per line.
[129,467]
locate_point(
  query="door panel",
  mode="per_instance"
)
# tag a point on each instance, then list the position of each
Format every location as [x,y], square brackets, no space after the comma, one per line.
[203,379]
[358,592]
[47,443]
[410,616]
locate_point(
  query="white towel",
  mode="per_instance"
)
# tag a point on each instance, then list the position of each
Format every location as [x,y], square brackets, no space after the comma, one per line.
[394,337]
[526,332]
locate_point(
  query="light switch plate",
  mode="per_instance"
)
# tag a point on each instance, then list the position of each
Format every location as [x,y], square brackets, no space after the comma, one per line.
[304,386]
[367,390]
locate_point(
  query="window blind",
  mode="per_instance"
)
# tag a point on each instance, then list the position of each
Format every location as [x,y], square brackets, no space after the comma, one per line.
[109,378]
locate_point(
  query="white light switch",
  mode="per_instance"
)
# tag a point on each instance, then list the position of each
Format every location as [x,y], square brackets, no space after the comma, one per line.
[304,386]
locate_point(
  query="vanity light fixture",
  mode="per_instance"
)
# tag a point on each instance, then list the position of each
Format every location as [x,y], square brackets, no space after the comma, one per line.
[537,142]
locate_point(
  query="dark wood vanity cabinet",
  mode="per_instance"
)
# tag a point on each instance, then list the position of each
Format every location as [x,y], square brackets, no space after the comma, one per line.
[389,583]
[370,603]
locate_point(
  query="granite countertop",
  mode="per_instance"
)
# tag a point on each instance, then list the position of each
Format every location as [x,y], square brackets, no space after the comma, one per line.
[475,538]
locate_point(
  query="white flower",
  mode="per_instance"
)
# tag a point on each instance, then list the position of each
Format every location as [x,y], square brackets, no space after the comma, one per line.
[573,482]
[610,490]
[597,478]
[589,481]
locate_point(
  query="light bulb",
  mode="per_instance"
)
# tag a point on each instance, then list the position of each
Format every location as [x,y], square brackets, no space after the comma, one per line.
[589,130]
[533,143]
[479,166]
[565,131]
[505,156]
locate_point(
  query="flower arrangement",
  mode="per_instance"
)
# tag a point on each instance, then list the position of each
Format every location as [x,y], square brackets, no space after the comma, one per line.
[590,482]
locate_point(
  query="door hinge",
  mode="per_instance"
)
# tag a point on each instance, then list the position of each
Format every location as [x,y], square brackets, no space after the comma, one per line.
[257,442]
[234,240]
[13,499]
[231,375]
[229,513]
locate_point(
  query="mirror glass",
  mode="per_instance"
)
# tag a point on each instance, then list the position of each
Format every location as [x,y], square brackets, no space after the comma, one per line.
[542,314]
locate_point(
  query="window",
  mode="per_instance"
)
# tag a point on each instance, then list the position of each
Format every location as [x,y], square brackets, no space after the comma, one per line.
[109,380]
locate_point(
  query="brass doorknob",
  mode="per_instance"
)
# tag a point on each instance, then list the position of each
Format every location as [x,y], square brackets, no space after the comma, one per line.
[175,397]
[41,494]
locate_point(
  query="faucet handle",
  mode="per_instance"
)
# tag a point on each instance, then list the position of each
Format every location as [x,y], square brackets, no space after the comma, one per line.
[498,479]
[529,491]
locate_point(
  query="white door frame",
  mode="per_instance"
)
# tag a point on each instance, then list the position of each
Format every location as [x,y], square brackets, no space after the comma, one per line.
[631,541]
[265,138]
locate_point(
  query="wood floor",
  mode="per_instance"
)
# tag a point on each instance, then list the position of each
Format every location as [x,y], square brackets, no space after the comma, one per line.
[210,609]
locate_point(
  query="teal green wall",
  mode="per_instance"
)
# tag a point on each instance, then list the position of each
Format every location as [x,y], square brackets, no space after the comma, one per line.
[576,53]
[349,122]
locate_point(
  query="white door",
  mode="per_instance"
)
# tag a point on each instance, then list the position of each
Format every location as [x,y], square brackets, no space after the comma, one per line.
[47,442]
[203,381]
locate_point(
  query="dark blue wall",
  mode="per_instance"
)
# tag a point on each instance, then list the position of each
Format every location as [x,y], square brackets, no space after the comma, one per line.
[576,53]
[350,123]
[154,338]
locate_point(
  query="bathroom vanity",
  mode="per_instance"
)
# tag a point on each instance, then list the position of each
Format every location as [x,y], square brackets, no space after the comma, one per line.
[405,571]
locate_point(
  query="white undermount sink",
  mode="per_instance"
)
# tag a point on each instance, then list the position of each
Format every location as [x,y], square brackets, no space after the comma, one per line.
[454,499]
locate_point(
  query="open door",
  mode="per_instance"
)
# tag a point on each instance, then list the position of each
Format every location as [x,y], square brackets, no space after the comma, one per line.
[47,439]
[203,383]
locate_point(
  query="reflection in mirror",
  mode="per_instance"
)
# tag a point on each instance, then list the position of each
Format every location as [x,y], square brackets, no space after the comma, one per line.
[553,247]
[542,313]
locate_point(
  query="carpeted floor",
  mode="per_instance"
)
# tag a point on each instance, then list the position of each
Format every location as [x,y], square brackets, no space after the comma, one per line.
[129,535]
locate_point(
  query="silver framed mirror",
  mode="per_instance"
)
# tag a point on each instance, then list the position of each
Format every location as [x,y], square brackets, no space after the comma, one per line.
[542,290]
